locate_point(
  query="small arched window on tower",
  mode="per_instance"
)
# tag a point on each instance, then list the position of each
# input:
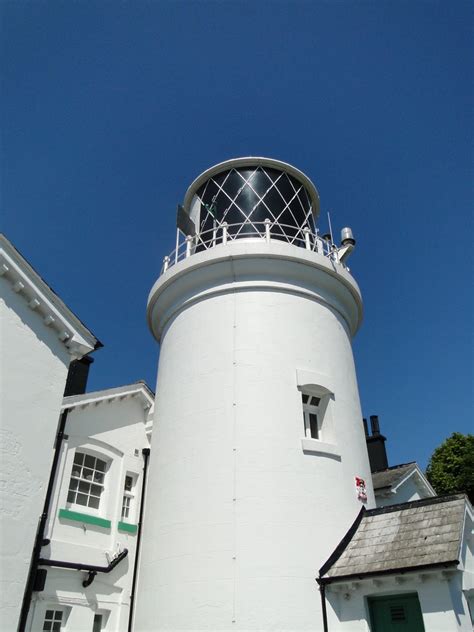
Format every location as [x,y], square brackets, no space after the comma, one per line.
[315,401]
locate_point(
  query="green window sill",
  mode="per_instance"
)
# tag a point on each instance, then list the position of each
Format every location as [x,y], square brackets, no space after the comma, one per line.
[81,517]
[126,526]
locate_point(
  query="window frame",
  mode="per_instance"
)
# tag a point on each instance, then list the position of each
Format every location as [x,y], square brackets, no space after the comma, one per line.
[62,621]
[323,396]
[316,384]
[311,405]
[87,452]
[130,496]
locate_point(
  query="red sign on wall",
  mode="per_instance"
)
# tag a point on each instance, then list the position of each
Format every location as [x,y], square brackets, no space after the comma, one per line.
[361,489]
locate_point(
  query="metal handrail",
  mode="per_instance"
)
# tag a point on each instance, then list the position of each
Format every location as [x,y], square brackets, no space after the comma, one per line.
[222,234]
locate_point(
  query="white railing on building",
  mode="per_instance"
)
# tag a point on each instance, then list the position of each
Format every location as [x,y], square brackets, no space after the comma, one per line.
[222,234]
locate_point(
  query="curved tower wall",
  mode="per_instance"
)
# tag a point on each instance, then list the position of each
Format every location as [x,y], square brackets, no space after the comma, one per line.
[242,507]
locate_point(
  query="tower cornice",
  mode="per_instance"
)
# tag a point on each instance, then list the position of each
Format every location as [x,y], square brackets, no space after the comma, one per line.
[255,265]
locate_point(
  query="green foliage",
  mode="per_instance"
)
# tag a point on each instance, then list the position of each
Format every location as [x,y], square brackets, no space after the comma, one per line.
[451,467]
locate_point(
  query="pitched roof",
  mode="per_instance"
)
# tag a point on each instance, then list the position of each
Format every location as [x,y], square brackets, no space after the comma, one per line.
[392,475]
[398,538]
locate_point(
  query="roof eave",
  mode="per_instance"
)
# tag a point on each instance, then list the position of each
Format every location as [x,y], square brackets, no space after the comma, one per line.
[403,570]
[40,298]
[139,389]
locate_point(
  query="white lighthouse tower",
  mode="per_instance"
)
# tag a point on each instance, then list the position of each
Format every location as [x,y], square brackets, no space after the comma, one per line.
[259,437]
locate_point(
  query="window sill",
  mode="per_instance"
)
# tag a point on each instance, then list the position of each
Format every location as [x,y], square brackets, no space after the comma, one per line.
[127,526]
[315,446]
[77,516]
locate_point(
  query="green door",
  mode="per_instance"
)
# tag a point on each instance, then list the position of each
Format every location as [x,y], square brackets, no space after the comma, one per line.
[396,613]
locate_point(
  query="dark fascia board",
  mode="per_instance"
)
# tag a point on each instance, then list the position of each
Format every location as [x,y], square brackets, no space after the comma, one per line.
[394,467]
[340,548]
[402,570]
[150,390]
[434,500]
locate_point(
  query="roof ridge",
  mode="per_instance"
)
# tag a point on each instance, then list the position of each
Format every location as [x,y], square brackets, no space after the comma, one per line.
[434,500]
[395,467]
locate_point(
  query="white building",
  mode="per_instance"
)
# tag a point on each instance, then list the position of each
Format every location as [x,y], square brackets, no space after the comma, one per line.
[265,505]
[94,515]
[40,336]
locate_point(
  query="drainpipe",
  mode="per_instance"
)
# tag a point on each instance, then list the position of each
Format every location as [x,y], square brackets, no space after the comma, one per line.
[146,455]
[322,590]
[39,538]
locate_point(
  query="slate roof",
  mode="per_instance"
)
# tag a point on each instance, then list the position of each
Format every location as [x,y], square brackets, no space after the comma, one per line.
[397,538]
[392,475]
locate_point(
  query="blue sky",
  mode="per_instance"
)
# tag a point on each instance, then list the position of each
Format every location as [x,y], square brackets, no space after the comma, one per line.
[111,109]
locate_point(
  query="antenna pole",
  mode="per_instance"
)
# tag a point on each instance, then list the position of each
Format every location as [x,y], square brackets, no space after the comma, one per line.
[330,227]
[177,246]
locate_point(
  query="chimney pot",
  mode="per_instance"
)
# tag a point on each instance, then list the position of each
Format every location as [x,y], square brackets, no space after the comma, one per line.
[374,424]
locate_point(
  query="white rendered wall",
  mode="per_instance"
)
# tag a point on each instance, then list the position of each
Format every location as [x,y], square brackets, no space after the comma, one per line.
[404,493]
[440,597]
[34,366]
[113,431]
[239,517]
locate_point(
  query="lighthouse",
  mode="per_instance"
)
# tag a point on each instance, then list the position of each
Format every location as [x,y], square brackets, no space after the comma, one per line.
[259,461]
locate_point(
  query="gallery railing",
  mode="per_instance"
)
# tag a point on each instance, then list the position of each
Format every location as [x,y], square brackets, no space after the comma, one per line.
[223,233]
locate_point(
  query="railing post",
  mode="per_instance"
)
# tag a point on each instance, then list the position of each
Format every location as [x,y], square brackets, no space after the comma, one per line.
[267,230]
[166,263]
[307,240]
[214,235]
[224,233]
[189,240]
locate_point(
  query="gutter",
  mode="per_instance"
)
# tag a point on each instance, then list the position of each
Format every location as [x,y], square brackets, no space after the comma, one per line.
[93,570]
[387,571]
[146,456]
[39,538]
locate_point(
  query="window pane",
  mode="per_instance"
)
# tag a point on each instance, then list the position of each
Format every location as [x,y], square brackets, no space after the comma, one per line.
[73,484]
[58,615]
[315,401]
[313,422]
[79,458]
[94,502]
[89,461]
[84,487]
[71,497]
[100,465]
[98,477]
[81,499]
[304,398]
[76,473]
[56,626]
[128,483]
[49,614]
[96,490]
[47,625]
[97,627]
[87,474]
